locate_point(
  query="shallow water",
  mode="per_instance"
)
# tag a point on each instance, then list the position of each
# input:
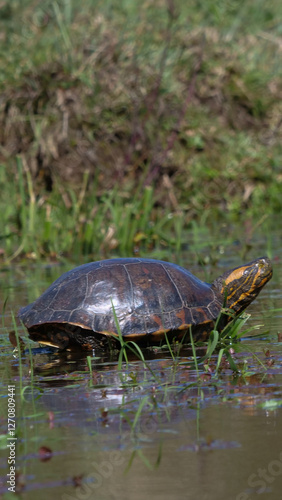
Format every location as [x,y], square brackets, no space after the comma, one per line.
[155,431]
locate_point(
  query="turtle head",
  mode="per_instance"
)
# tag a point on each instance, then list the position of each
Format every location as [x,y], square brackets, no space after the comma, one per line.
[240,286]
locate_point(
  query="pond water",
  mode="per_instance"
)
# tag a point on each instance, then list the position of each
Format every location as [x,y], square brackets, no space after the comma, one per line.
[159,429]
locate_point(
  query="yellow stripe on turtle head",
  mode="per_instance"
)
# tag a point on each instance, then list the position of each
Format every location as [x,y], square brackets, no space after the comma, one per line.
[241,285]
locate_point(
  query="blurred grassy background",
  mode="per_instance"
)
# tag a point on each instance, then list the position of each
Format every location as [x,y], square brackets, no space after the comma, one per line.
[125,123]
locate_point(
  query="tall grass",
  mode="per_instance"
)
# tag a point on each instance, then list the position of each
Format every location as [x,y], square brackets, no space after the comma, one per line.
[123,124]
[76,226]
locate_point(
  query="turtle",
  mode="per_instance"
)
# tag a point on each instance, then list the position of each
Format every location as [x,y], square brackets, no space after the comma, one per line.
[141,299]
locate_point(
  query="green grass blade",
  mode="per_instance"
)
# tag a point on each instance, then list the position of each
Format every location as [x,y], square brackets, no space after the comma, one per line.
[143,402]
[194,352]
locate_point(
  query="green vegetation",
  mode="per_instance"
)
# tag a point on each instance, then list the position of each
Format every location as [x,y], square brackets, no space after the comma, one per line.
[123,123]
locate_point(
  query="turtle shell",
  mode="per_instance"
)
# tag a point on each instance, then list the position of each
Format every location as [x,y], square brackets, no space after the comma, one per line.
[137,298]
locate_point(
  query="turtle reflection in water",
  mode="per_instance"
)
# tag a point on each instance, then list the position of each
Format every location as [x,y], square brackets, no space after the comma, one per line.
[142,299]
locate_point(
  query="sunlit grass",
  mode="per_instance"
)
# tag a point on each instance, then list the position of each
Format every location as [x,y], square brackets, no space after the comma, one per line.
[44,227]
[126,124]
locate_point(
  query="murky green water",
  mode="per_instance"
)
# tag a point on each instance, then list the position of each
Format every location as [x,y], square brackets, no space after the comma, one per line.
[155,431]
